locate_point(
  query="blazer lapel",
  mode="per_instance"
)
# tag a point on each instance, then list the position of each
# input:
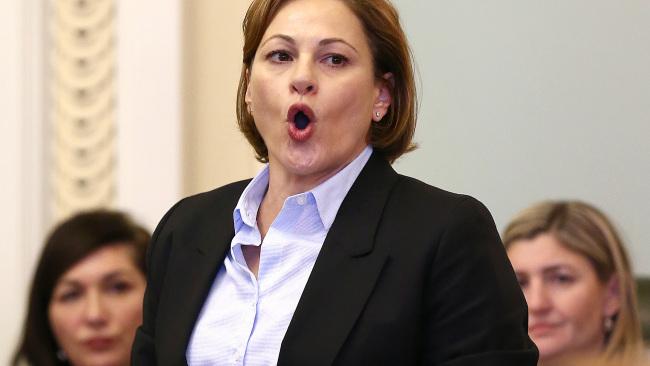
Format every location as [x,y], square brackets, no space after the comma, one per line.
[198,254]
[344,274]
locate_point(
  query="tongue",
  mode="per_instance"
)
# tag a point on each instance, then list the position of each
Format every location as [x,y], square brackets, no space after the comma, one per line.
[301,120]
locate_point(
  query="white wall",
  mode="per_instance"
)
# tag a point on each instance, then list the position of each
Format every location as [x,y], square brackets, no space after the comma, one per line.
[523,101]
[22,217]
[10,155]
[149,107]
[214,151]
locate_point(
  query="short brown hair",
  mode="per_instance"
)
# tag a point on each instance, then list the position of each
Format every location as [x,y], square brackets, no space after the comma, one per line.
[392,136]
[583,229]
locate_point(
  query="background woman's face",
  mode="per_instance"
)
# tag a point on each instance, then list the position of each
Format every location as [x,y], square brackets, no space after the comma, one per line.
[315,54]
[96,307]
[567,303]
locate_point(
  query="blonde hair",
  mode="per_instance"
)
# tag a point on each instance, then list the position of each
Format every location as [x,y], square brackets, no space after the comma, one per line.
[639,359]
[585,230]
[390,137]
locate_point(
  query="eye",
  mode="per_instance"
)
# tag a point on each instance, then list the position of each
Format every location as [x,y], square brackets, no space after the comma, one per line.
[561,278]
[118,287]
[68,296]
[279,56]
[335,60]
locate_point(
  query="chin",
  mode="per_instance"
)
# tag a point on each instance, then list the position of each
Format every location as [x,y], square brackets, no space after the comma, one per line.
[301,161]
[549,350]
[110,359]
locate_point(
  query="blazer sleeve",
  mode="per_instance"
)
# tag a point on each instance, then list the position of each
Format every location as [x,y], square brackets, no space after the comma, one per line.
[143,352]
[476,312]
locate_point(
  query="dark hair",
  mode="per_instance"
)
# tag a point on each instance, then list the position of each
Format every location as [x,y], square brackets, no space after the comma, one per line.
[392,136]
[70,242]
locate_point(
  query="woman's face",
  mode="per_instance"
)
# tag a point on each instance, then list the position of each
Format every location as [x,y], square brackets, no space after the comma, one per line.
[96,307]
[314,60]
[567,303]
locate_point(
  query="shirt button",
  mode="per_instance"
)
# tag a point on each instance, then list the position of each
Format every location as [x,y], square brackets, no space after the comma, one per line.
[301,200]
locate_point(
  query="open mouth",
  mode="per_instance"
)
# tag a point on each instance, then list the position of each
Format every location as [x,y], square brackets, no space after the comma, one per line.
[300,115]
[301,120]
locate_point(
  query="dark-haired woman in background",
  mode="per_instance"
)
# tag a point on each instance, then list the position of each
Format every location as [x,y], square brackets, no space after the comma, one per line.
[85,300]
[328,256]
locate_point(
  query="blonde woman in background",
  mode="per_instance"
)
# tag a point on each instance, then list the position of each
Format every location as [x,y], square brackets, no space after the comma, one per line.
[576,276]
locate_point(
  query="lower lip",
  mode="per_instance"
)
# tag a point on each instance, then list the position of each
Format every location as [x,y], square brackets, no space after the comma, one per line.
[541,330]
[99,344]
[299,135]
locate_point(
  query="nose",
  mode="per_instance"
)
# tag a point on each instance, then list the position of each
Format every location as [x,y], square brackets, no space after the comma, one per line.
[303,80]
[537,297]
[95,311]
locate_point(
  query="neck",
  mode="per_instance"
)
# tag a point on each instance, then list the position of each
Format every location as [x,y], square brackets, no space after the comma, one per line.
[577,357]
[281,186]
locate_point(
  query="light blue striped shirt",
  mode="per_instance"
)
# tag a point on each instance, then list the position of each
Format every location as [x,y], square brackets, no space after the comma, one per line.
[244,319]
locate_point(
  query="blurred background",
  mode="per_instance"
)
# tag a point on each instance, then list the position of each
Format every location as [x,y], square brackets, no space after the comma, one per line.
[131,105]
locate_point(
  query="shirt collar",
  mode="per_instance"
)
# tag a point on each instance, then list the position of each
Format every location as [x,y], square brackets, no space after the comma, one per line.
[328,195]
[250,200]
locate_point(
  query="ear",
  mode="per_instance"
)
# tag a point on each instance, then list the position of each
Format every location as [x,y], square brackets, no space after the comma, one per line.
[247,96]
[384,97]
[612,304]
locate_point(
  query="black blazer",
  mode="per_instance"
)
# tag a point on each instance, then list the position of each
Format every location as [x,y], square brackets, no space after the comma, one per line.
[408,275]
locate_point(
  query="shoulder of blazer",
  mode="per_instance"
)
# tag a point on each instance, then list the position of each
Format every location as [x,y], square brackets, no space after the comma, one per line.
[194,211]
[406,196]
[435,211]
[422,195]
[188,214]
[191,210]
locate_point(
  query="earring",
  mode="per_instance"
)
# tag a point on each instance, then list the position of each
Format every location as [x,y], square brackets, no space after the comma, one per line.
[377,114]
[608,324]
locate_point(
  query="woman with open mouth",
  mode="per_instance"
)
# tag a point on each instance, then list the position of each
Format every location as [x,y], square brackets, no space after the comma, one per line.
[328,256]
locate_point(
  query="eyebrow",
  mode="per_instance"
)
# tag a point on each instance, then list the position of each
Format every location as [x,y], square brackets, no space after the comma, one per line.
[109,276]
[557,267]
[113,275]
[327,41]
[323,42]
[550,269]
